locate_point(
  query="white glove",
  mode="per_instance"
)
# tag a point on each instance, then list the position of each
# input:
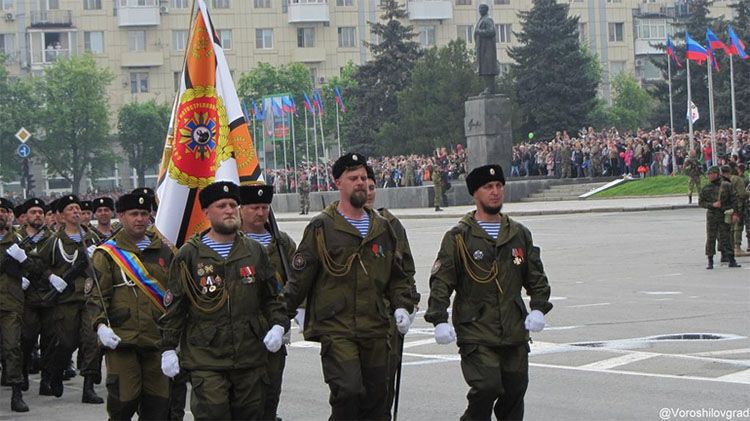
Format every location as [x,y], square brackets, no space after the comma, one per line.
[58,283]
[25,283]
[170,364]
[90,250]
[274,338]
[107,336]
[444,333]
[299,318]
[535,321]
[17,253]
[402,320]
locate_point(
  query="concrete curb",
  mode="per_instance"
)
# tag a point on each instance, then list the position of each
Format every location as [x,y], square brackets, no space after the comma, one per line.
[453,215]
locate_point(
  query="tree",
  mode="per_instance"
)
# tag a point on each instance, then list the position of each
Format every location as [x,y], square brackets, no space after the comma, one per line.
[556,79]
[266,79]
[375,97]
[142,128]
[346,84]
[74,119]
[17,110]
[432,107]
[632,105]
[741,25]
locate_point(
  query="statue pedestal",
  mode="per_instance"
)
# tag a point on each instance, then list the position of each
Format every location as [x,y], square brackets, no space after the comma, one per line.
[489,135]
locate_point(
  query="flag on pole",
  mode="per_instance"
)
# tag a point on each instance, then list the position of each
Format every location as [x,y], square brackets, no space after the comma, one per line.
[339,99]
[694,51]
[287,104]
[258,114]
[308,104]
[318,101]
[672,52]
[736,46]
[209,139]
[715,43]
[692,113]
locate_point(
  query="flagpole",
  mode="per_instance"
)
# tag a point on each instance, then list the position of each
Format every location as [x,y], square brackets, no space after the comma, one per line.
[735,142]
[671,115]
[323,143]
[714,150]
[294,155]
[317,155]
[338,129]
[283,143]
[307,140]
[690,111]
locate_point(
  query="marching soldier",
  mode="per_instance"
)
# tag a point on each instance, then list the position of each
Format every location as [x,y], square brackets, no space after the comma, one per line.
[304,195]
[87,211]
[104,207]
[12,286]
[66,266]
[486,259]
[346,266]
[132,270]
[717,197]
[255,201]
[223,312]
[407,259]
[740,191]
[694,170]
[50,216]
[20,216]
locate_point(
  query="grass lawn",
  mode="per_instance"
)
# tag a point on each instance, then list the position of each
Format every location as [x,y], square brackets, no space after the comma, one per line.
[651,186]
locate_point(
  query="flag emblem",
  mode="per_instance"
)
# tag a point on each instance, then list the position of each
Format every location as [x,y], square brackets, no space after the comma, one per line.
[202,133]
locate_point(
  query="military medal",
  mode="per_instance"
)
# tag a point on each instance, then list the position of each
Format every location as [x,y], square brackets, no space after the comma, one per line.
[478,255]
[248,274]
[212,288]
[517,256]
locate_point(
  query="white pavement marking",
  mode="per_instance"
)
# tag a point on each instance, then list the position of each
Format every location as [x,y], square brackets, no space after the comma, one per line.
[725,352]
[723,379]
[738,377]
[618,361]
[420,342]
[561,327]
[666,275]
[661,292]
[589,305]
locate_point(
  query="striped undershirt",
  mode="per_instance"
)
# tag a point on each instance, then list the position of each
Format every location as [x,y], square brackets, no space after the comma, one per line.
[143,243]
[222,249]
[264,238]
[37,237]
[362,225]
[74,237]
[491,228]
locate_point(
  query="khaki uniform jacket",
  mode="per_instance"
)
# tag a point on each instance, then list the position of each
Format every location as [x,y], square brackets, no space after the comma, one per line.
[692,168]
[490,312]
[717,190]
[345,278]
[11,293]
[53,262]
[738,185]
[287,244]
[403,250]
[132,314]
[39,285]
[230,336]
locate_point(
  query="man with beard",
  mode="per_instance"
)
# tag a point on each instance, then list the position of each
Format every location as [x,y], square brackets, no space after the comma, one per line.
[12,286]
[132,269]
[407,259]
[255,205]
[346,267]
[66,266]
[103,209]
[224,313]
[37,314]
[486,259]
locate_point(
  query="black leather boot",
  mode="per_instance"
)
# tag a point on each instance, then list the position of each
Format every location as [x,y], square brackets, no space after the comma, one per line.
[710,262]
[724,258]
[16,401]
[89,394]
[733,263]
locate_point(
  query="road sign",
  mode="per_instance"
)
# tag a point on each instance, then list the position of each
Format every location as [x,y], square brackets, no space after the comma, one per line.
[23,135]
[23,150]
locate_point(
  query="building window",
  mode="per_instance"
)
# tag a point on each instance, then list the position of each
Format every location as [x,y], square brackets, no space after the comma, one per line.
[616,67]
[262,4]
[427,36]
[466,33]
[615,31]
[225,35]
[583,31]
[614,1]
[6,4]
[92,4]
[138,82]
[264,38]
[305,37]
[177,80]
[7,44]
[179,4]
[344,2]
[52,4]
[136,41]
[347,37]
[137,3]
[221,4]
[503,33]
[179,40]
[314,76]
[463,2]
[651,30]
[502,1]
[94,42]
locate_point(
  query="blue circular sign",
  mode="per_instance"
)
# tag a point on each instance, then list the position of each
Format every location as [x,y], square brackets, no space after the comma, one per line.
[23,150]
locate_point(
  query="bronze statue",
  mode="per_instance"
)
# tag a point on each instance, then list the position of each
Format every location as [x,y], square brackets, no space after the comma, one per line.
[485,38]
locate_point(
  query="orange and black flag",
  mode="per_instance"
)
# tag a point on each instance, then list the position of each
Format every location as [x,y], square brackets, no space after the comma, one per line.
[208,138]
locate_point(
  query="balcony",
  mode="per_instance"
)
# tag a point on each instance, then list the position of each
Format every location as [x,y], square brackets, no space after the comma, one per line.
[308,11]
[142,59]
[48,56]
[430,9]
[651,9]
[138,16]
[309,55]
[51,19]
